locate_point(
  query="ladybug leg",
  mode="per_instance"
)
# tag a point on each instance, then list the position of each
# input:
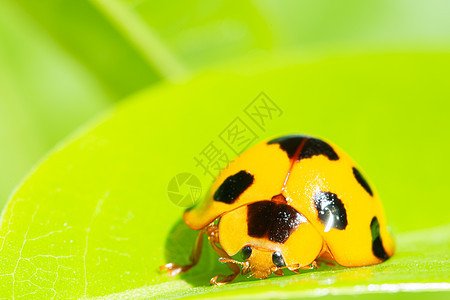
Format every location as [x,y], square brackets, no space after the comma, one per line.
[174,269]
[213,237]
[295,267]
[311,266]
[278,272]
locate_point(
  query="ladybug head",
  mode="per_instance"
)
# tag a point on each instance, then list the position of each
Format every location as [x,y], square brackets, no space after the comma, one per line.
[259,262]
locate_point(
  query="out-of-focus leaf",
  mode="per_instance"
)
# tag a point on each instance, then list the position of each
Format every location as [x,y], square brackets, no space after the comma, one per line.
[95,220]
[103,35]
[44,94]
[202,33]
[81,29]
[352,25]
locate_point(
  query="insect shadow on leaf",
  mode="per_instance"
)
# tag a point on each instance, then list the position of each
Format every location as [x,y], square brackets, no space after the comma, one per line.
[178,249]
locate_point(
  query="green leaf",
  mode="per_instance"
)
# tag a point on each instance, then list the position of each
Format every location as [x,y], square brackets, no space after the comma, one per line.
[94,219]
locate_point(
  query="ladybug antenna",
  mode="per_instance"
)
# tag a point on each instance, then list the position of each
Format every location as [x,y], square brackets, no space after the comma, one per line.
[229,260]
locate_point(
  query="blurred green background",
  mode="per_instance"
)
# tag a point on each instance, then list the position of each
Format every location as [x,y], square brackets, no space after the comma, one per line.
[63,61]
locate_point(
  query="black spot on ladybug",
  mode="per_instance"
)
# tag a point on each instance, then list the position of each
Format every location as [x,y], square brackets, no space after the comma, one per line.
[377,244]
[331,210]
[288,143]
[362,181]
[315,147]
[275,221]
[233,187]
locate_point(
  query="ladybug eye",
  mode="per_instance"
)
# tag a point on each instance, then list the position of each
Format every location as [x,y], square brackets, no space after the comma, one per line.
[246,252]
[277,259]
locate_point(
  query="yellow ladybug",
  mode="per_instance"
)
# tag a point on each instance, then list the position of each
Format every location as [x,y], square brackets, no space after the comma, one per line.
[288,203]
